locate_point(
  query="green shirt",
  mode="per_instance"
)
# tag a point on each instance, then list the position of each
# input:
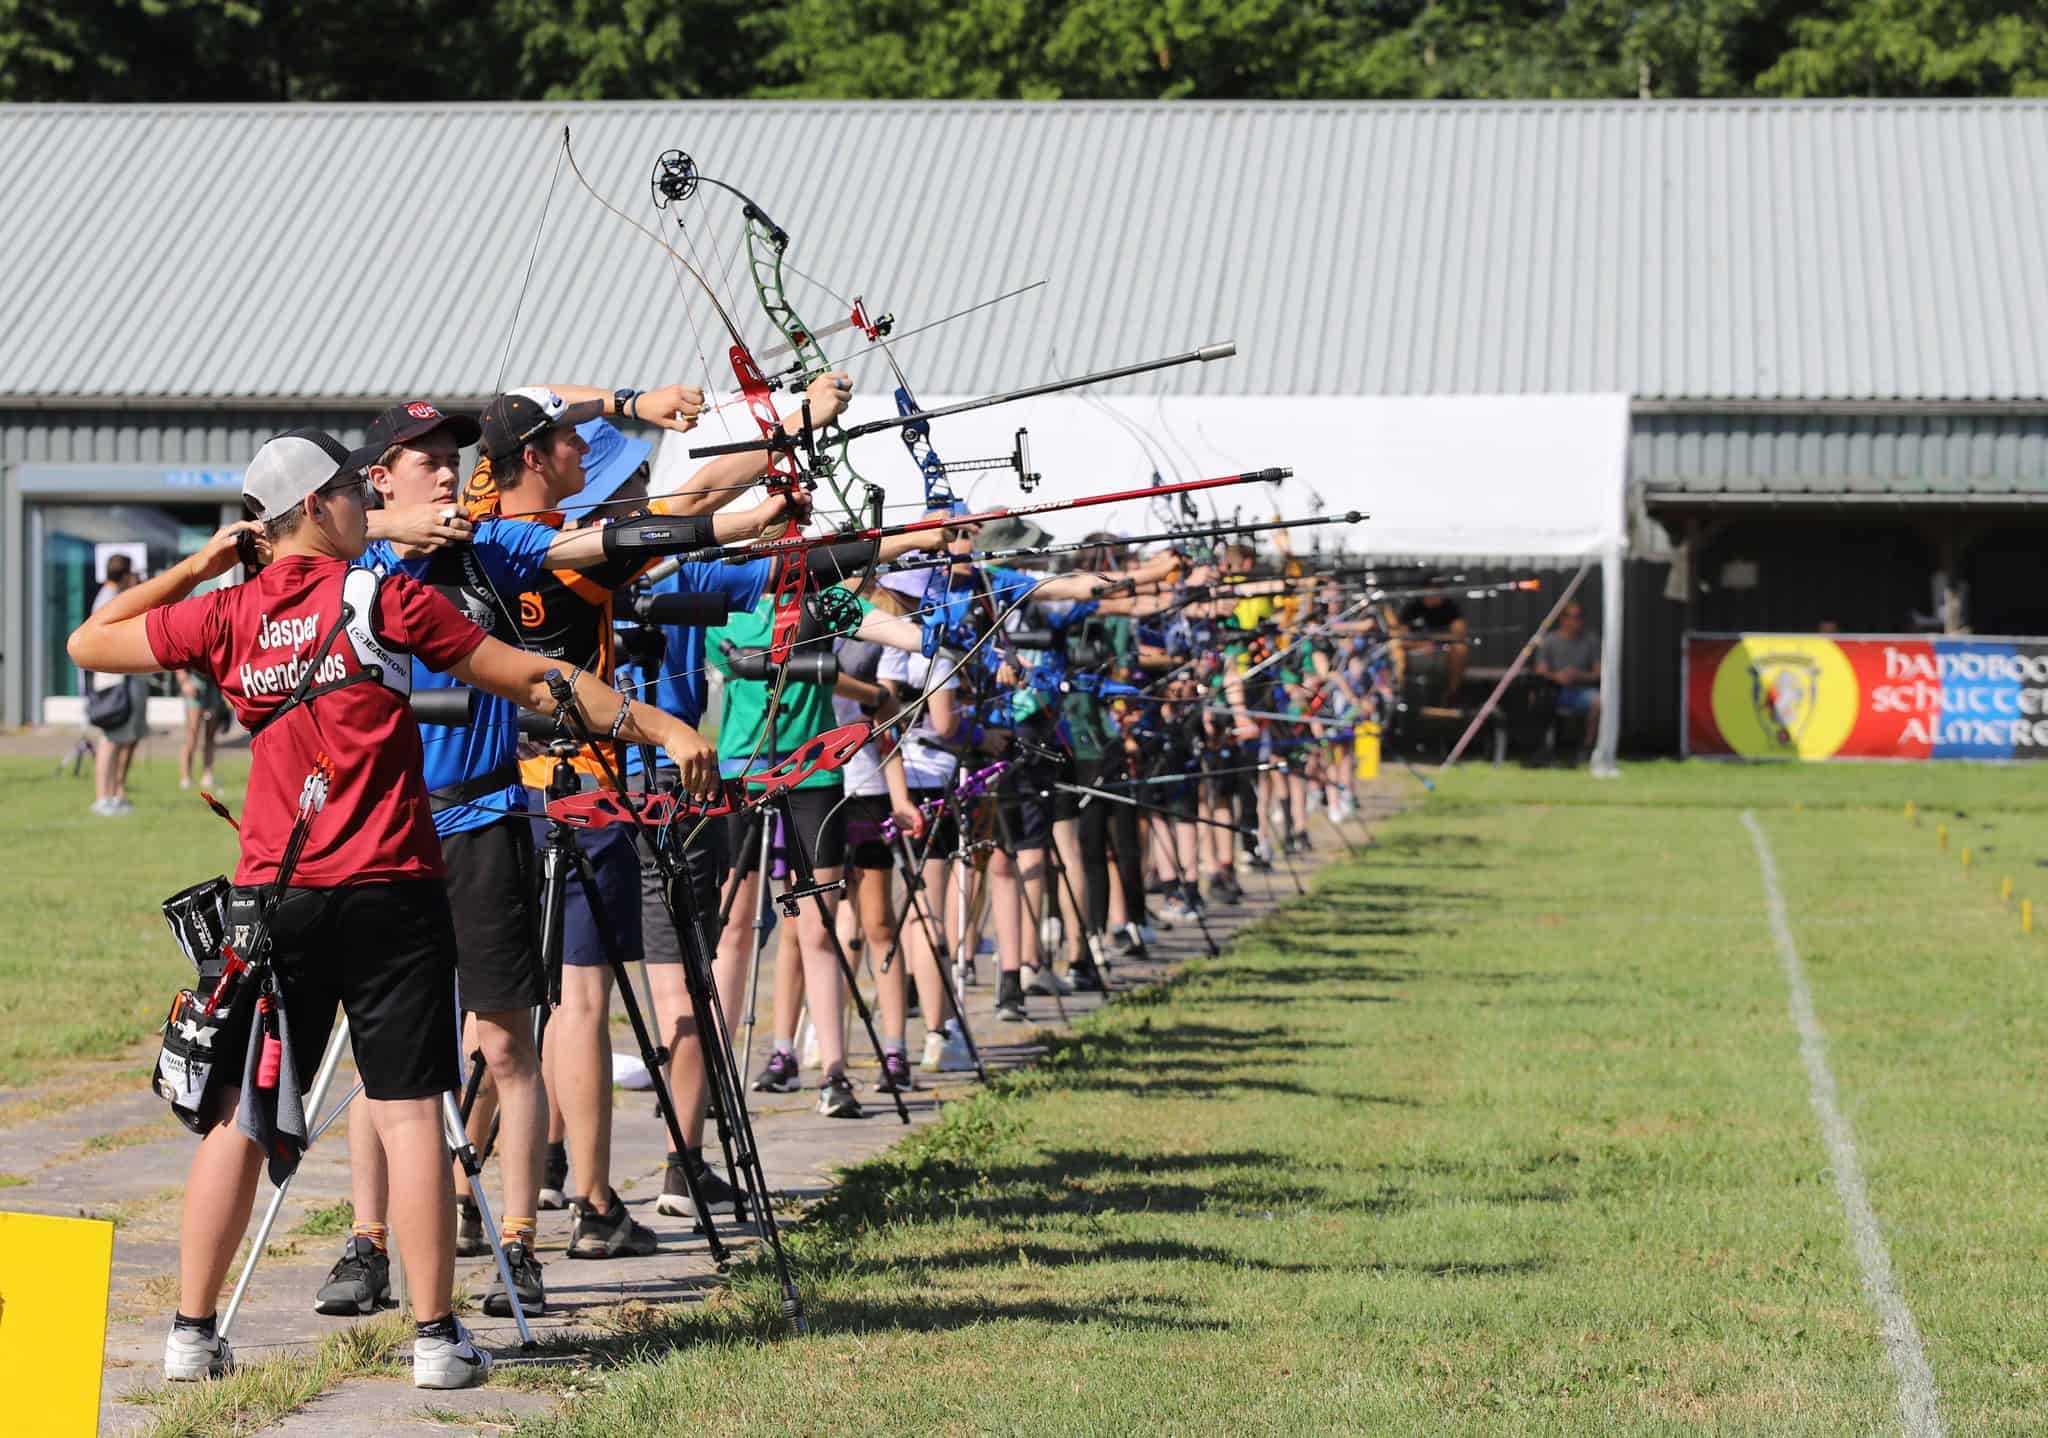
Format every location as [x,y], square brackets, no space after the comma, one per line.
[805,712]
[1089,722]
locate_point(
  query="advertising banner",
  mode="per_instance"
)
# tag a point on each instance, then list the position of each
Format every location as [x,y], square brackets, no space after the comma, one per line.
[1827,696]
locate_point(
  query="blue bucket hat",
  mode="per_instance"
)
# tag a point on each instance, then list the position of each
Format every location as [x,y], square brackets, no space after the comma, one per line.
[612,459]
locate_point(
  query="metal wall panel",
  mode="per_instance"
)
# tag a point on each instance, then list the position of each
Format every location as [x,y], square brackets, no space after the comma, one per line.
[1841,250]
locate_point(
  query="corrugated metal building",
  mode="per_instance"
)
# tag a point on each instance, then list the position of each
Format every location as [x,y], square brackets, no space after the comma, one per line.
[1833,317]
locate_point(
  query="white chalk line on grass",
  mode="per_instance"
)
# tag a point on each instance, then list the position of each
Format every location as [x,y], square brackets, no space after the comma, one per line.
[1894,1320]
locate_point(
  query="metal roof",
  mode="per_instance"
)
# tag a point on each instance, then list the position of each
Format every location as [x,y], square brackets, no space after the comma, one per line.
[1678,250]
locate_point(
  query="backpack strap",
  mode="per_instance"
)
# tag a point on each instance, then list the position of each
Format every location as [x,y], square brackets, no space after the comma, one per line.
[378,662]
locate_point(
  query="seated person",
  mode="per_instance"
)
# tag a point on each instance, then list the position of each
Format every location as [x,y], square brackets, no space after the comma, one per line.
[1569,657]
[1434,624]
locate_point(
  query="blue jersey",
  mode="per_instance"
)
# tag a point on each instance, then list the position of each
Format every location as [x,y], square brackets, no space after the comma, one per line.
[683,685]
[483,579]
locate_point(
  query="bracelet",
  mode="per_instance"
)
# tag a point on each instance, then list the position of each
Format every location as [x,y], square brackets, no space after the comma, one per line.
[619,722]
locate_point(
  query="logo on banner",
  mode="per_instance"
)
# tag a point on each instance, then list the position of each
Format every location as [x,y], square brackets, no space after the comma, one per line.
[1785,697]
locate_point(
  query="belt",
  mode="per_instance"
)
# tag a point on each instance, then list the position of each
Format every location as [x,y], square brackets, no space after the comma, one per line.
[451,796]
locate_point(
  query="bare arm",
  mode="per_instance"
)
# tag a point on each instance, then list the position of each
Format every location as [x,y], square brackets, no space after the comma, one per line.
[719,482]
[879,628]
[521,676]
[116,639]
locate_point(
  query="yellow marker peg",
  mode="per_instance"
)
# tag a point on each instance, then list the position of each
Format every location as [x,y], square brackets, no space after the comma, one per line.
[1966,856]
[2026,916]
[1911,816]
[1798,805]
[2005,890]
[1941,835]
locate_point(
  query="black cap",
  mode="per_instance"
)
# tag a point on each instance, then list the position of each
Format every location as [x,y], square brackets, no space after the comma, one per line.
[404,422]
[515,420]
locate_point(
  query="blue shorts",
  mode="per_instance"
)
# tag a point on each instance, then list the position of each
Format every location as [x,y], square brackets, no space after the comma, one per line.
[615,856]
[1577,698]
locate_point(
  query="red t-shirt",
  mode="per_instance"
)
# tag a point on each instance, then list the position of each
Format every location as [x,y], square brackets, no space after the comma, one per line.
[255,639]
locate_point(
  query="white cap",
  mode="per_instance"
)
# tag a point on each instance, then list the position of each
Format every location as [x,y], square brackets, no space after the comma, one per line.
[294,465]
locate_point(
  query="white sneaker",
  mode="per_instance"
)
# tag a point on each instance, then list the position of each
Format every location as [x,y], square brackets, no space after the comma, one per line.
[437,1363]
[1044,982]
[946,1053]
[189,1357]
[100,807]
[1052,932]
[119,805]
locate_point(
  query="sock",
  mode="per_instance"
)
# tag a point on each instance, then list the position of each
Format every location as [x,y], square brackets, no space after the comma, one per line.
[379,1235]
[442,1328]
[786,1046]
[893,1046]
[518,1230]
[559,1151]
[193,1325]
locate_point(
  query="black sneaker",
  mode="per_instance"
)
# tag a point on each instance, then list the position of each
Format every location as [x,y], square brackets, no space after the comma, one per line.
[675,1200]
[525,1282]
[357,1285]
[469,1233]
[1010,999]
[835,1098]
[608,1235]
[1086,978]
[896,1075]
[554,1179]
[780,1076]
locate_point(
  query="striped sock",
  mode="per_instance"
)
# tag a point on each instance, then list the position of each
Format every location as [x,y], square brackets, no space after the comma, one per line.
[379,1234]
[519,1230]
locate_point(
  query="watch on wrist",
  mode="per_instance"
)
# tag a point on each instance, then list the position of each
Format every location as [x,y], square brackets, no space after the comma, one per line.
[623,397]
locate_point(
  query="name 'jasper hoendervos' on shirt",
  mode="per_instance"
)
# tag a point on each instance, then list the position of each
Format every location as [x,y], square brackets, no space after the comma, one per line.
[296,633]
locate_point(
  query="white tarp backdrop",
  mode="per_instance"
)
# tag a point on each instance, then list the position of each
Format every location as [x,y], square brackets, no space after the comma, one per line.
[1507,475]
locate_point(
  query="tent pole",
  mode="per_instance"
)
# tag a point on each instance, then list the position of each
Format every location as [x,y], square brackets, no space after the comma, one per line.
[1521,659]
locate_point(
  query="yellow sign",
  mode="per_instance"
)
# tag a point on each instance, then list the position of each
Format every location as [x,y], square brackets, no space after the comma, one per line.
[54,1274]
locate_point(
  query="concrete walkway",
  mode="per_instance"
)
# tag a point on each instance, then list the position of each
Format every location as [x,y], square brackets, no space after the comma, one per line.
[104,1146]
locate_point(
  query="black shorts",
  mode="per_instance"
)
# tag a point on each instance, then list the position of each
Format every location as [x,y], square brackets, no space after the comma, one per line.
[497,923]
[616,861]
[385,954]
[704,871]
[940,839]
[820,825]
[866,847]
[1024,814]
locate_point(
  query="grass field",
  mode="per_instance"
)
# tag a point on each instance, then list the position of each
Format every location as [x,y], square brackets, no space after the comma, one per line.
[1505,1130]
[89,966]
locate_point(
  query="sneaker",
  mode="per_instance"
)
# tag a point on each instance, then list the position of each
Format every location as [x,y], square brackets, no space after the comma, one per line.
[1044,982]
[469,1233]
[675,1200]
[119,805]
[608,1235]
[896,1075]
[190,1356]
[438,1363]
[101,808]
[359,1283]
[779,1076]
[1224,889]
[206,780]
[835,1098]
[1052,931]
[1176,910]
[1010,1000]
[554,1179]
[1086,978]
[964,976]
[946,1052]
[533,1298]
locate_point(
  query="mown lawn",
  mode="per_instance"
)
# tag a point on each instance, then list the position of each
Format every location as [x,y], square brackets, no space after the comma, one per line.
[1504,1130]
[88,966]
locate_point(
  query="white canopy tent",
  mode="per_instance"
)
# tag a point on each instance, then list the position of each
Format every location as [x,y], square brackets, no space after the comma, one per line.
[1540,476]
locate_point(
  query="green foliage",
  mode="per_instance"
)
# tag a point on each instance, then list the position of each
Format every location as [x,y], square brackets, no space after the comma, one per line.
[438,50]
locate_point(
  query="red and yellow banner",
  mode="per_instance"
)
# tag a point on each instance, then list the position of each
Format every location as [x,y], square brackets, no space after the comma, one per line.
[1813,697]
